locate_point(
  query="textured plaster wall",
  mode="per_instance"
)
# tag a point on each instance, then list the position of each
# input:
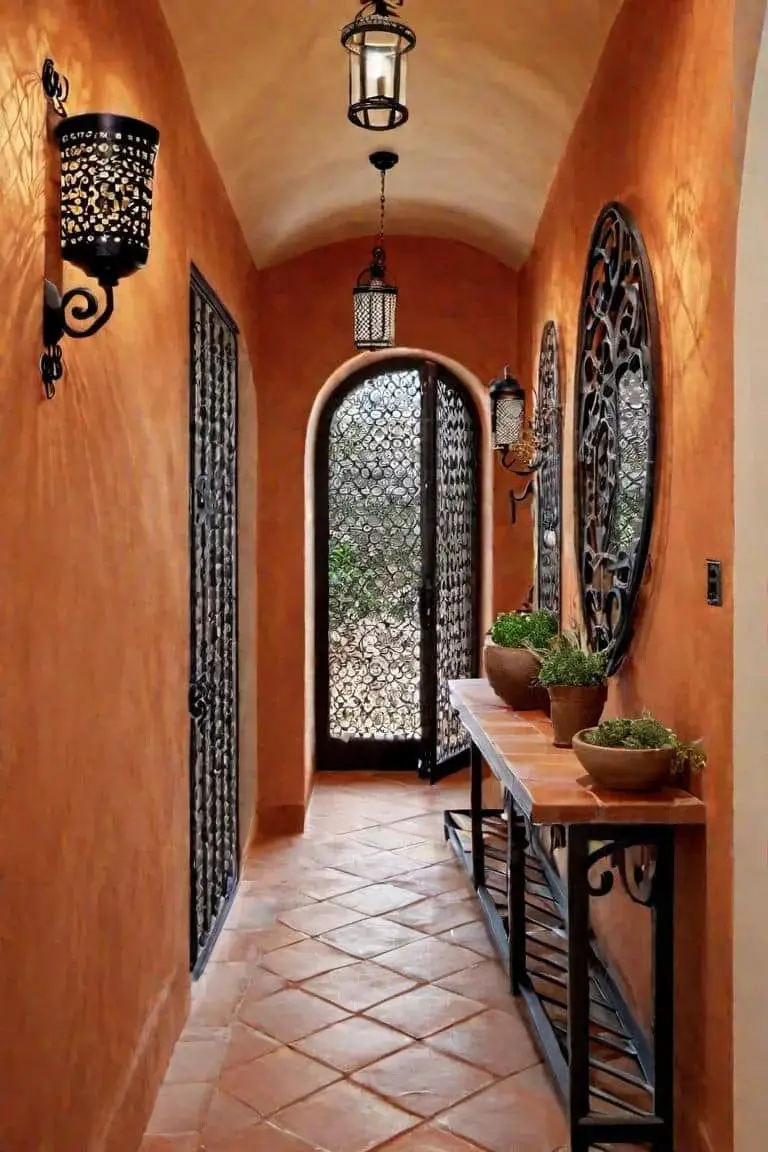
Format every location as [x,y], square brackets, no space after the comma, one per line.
[750,735]
[656,133]
[455,301]
[94,604]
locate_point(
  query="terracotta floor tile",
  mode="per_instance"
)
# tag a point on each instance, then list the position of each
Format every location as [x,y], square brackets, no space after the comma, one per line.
[429,827]
[428,852]
[246,1044]
[381,866]
[353,1043]
[421,1080]
[433,916]
[371,937]
[359,986]
[225,1117]
[520,1114]
[256,912]
[344,1118]
[425,1010]
[378,899]
[498,1041]
[291,1015]
[325,883]
[263,984]
[387,838]
[261,1137]
[179,1108]
[309,958]
[472,935]
[486,982]
[190,1142]
[276,1080]
[436,878]
[252,944]
[428,959]
[429,1139]
[318,918]
[196,1062]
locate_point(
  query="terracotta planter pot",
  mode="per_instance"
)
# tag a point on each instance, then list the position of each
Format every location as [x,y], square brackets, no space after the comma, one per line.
[574,709]
[512,674]
[624,769]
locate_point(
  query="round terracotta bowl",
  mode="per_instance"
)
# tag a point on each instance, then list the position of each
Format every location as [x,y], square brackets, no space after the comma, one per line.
[624,769]
[512,674]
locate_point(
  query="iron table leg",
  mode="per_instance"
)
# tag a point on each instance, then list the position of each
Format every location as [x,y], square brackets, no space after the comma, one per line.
[476,805]
[578,985]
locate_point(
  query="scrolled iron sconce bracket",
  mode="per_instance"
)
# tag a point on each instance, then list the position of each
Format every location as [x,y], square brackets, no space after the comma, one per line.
[105,214]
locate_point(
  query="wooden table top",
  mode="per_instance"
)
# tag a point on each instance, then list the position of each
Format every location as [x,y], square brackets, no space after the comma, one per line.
[549,784]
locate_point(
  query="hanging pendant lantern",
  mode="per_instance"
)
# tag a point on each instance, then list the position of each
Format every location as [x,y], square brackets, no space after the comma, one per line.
[375,301]
[378,44]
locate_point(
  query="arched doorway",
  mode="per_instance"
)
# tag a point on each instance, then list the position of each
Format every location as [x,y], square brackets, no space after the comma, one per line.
[397,517]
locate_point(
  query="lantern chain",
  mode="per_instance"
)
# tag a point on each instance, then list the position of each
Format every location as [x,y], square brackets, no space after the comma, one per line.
[383,203]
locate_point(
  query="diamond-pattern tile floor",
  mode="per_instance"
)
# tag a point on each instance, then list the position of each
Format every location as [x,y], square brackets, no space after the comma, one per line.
[352,1003]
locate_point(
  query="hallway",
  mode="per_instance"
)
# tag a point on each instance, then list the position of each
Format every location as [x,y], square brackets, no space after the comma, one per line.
[352,1003]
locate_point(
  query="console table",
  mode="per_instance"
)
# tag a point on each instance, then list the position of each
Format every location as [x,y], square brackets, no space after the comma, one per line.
[558,842]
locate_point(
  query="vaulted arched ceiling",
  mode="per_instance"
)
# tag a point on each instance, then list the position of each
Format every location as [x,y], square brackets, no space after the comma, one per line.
[494,88]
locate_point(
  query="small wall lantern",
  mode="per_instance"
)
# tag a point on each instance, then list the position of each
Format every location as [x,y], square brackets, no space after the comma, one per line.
[521,443]
[378,44]
[107,171]
[375,301]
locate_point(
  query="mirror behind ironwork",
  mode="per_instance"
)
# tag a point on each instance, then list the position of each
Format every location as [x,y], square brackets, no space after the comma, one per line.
[549,480]
[616,374]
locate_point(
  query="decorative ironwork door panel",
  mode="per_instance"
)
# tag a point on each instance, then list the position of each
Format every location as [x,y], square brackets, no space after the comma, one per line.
[213,612]
[549,480]
[396,457]
[450,566]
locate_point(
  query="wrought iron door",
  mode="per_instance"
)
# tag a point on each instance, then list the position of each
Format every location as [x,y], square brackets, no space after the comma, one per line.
[213,617]
[396,540]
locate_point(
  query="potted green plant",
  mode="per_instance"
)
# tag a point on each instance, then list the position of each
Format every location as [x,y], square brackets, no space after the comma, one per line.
[636,755]
[577,685]
[510,664]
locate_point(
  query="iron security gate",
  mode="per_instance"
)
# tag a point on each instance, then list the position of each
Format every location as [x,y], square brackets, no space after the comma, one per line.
[213,613]
[396,563]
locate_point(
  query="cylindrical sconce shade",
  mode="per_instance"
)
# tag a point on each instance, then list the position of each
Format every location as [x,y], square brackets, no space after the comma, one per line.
[507,413]
[107,172]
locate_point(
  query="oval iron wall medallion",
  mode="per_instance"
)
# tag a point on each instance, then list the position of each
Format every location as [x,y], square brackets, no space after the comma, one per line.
[549,480]
[616,375]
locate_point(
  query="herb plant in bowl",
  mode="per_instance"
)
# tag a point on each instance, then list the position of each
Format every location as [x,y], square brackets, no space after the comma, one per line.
[510,665]
[577,685]
[635,755]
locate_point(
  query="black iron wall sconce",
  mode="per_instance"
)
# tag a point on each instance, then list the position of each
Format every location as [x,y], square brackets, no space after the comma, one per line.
[107,171]
[520,443]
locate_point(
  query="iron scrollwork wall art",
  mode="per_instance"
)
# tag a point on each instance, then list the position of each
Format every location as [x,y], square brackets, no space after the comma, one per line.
[549,480]
[616,382]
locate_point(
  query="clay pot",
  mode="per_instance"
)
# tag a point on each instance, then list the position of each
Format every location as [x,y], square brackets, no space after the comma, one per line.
[624,769]
[512,674]
[574,709]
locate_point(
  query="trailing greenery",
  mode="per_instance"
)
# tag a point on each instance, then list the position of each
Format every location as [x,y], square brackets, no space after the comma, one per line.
[524,629]
[646,732]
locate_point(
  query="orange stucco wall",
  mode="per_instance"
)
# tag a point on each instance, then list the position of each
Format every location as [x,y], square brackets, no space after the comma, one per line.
[94,603]
[656,133]
[454,301]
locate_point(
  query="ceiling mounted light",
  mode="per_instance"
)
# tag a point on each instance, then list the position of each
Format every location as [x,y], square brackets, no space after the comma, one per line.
[375,301]
[378,44]
[107,172]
